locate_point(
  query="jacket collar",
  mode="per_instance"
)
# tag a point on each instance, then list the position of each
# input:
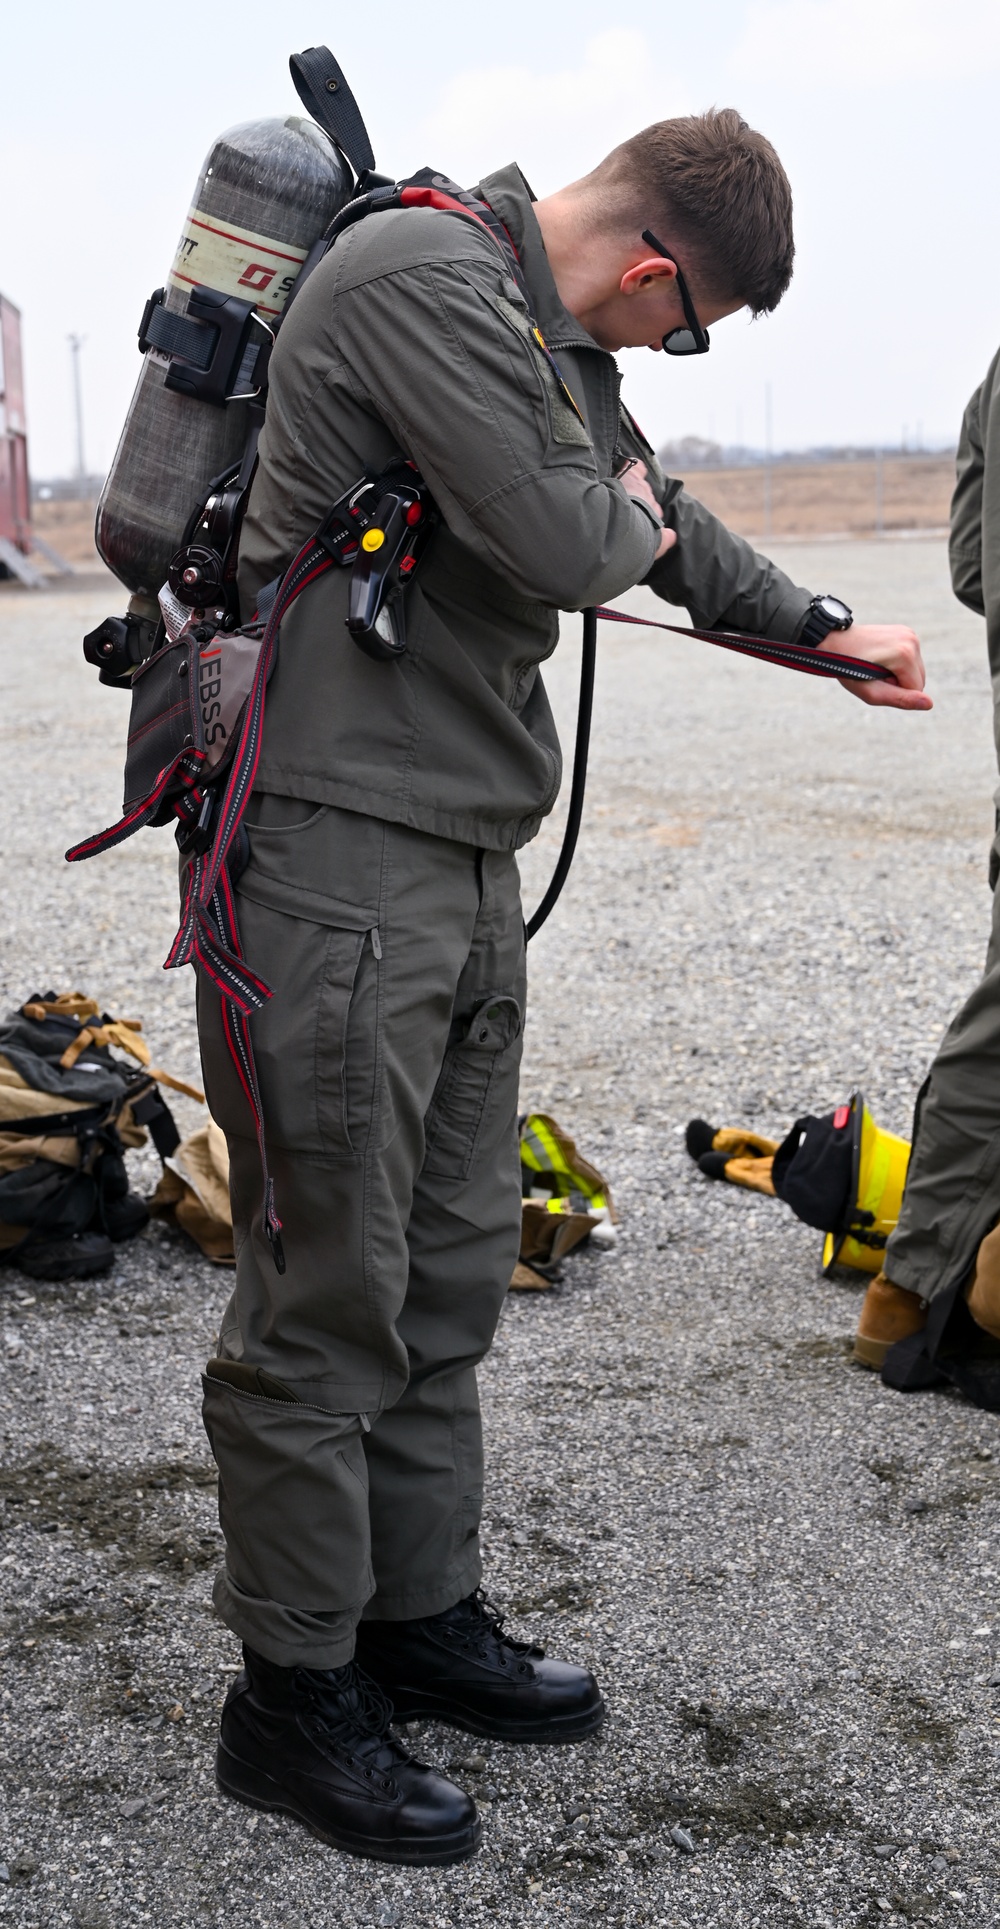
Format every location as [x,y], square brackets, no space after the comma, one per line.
[510,197]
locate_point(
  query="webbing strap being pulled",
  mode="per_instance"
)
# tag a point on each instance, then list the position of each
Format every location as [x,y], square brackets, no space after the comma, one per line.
[788,656]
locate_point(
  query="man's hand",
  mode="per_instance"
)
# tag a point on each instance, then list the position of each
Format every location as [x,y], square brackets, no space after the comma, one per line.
[635,482]
[894,648]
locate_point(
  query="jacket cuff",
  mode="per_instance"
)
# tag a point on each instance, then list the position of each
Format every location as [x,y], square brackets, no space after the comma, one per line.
[638,503]
[786,620]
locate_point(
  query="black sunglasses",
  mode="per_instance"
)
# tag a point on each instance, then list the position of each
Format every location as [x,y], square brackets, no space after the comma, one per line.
[692,340]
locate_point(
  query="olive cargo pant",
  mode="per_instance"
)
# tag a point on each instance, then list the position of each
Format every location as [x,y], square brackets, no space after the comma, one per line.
[952,1195]
[388,1065]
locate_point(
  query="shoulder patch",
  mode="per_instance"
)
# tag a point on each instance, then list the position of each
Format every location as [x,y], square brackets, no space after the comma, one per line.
[568,425]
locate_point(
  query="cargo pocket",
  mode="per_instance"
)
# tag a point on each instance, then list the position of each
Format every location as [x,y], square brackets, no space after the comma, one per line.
[293,1499]
[472,1070]
[320,958]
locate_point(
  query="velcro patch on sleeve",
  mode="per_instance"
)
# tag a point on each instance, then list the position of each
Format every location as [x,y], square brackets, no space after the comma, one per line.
[565,418]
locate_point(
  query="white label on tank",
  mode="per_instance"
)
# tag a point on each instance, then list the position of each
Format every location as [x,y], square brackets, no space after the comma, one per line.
[254,267]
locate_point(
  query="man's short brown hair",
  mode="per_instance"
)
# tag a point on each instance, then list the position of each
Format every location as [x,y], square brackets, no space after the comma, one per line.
[716,189]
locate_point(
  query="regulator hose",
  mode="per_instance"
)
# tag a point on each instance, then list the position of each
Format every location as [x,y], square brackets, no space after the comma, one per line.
[588,665]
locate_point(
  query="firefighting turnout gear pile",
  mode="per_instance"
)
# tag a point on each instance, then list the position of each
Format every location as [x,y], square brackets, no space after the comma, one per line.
[841,1173]
[565,1199]
[194,1193]
[69,1110]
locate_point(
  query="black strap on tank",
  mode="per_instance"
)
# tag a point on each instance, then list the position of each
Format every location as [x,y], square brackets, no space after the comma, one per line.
[324,93]
[180,335]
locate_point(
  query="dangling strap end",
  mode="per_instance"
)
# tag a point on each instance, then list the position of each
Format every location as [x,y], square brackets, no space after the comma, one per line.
[272,1227]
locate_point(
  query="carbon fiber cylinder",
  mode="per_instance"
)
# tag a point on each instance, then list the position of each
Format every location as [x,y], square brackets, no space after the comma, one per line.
[267,191]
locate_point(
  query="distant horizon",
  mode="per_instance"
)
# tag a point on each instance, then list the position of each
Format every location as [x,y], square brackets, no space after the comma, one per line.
[882,117]
[701,455]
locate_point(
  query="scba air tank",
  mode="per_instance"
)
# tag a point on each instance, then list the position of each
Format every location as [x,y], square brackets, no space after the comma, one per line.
[266,193]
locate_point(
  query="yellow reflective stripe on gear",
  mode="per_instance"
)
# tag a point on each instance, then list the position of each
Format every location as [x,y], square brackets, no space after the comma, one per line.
[540,1152]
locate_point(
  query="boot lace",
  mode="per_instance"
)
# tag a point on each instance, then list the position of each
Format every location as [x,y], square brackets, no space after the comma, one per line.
[347,1714]
[477,1626]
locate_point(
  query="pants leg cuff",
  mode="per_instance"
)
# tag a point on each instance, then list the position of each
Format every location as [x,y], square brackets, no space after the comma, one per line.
[913,1279]
[289,1637]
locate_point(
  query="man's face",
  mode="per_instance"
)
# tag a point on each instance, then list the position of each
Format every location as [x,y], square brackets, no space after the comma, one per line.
[647,305]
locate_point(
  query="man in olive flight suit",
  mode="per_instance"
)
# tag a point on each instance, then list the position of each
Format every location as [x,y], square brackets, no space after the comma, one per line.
[381,904]
[946,1240]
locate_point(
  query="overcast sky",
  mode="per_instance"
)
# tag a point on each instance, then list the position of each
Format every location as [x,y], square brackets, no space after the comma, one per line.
[883,111]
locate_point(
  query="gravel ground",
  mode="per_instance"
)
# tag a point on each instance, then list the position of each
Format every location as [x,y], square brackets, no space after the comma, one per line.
[782,1572]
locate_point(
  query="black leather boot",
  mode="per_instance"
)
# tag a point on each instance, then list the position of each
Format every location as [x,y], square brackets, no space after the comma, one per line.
[315,1743]
[462,1668]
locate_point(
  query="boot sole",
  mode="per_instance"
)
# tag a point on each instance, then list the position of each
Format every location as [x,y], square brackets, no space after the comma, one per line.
[870,1352]
[556,1728]
[250,1785]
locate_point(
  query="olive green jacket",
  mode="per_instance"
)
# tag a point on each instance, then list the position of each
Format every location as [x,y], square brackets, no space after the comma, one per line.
[411,337]
[974,546]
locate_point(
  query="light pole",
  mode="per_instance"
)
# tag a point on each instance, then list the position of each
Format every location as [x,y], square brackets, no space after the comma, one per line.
[76,343]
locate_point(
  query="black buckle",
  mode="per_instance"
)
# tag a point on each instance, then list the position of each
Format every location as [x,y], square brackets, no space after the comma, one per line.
[206,345]
[232,320]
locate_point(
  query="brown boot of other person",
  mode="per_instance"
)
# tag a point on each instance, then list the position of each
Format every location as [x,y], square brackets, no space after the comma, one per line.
[889,1314]
[982,1294]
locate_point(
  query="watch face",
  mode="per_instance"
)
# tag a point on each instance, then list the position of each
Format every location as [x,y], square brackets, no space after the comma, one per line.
[835,610]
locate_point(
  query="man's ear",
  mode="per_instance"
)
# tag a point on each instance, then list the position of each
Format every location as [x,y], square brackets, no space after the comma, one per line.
[649,269]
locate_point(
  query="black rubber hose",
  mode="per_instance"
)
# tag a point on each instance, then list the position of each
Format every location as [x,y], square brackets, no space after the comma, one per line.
[588,665]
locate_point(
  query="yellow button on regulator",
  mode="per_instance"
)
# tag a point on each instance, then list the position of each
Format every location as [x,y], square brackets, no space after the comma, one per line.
[372,539]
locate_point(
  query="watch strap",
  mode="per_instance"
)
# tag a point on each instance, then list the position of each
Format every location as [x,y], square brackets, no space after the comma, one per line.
[818,625]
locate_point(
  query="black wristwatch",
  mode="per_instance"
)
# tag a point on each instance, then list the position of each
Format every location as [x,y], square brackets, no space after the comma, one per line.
[825,613]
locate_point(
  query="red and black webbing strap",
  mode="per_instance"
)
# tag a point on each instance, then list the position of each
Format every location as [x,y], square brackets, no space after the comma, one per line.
[236,1026]
[203,939]
[788,656]
[202,933]
[209,934]
[185,767]
[313,560]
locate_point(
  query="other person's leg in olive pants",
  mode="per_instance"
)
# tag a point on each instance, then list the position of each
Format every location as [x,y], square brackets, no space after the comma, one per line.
[952,1195]
[343,1410]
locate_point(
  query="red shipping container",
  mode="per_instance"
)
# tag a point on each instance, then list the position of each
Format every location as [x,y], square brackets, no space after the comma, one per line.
[15,496]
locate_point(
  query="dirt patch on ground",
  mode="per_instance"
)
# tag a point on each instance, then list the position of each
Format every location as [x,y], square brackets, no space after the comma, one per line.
[159,1515]
[913,1719]
[754,1808]
[821,498]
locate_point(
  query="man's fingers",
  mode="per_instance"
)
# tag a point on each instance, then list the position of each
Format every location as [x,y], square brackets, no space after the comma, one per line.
[636,481]
[888,696]
[893,647]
